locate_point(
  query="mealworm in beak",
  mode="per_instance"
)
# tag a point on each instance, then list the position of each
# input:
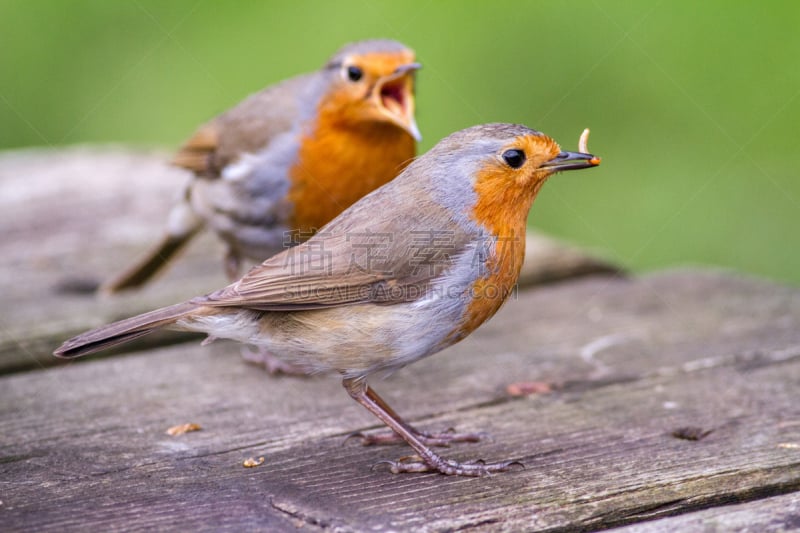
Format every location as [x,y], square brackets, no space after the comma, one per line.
[583,141]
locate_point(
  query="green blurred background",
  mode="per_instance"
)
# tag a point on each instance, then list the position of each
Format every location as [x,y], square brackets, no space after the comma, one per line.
[693,106]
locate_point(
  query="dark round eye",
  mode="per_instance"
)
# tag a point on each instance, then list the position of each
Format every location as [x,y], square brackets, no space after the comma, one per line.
[354,73]
[514,158]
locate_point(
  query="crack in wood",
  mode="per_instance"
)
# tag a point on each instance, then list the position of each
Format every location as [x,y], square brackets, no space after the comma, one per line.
[16,458]
[479,523]
[681,506]
[301,518]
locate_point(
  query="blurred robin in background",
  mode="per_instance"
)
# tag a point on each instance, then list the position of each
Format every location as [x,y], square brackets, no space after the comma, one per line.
[407,271]
[292,157]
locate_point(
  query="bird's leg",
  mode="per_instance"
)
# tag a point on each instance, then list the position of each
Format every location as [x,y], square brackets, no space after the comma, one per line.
[232,264]
[442,439]
[427,460]
[273,365]
[258,356]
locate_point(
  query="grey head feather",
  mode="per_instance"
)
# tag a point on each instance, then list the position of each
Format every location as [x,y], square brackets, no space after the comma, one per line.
[451,165]
[368,46]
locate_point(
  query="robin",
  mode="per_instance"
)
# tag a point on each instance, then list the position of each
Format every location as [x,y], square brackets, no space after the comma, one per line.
[405,272]
[292,157]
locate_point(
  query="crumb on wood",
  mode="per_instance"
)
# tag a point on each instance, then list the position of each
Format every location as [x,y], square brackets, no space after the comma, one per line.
[251,462]
[529,388]
[183,428]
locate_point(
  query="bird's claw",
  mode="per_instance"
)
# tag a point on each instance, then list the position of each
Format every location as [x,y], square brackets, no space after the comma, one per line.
[415,464]
[442,439]
[355,435]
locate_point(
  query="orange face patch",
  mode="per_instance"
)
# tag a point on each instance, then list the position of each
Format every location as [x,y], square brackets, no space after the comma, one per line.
[363,101]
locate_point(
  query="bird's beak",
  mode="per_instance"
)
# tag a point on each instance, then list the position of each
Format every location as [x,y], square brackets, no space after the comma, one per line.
[394,97]
[571,161]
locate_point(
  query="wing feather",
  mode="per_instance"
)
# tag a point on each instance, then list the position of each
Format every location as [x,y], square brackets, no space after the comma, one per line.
[248,127]
[356,259]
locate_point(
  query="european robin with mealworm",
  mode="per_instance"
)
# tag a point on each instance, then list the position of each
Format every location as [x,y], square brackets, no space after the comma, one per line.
[405,272]
[292,157]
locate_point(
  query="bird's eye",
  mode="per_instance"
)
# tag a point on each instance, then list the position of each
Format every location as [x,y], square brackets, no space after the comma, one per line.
[514,158]
[354,73]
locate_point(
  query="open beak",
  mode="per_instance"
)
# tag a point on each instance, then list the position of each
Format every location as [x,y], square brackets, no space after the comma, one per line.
[571,161]
[394,96]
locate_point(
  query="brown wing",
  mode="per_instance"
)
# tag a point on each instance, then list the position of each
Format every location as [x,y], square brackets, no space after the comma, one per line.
[197,153]
[355,259]
[248,127]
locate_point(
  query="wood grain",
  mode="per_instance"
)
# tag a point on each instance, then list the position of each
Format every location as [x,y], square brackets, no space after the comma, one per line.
[629,361]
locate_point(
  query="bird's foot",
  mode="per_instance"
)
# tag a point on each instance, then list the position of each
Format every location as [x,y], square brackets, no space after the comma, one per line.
[478,468]
[273,365]
[443,439]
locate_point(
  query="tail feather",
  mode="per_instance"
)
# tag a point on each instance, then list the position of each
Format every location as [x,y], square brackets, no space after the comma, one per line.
[150,265]
[124,330]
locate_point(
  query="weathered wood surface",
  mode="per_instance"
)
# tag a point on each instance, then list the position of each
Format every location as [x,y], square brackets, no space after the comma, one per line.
[778,514]
[82,447]
[72,218]
[628,362]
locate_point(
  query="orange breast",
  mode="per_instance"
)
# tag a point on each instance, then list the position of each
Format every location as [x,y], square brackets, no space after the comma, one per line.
[338,164]
[502,208]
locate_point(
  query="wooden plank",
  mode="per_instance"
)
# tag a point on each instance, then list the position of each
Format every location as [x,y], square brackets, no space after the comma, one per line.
[770,515]
[71,217]
[74,217]
[630,362]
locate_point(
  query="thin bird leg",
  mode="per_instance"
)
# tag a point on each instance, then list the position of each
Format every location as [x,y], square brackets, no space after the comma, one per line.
[442,439]
[274,366]
[232,264]
[427,460]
